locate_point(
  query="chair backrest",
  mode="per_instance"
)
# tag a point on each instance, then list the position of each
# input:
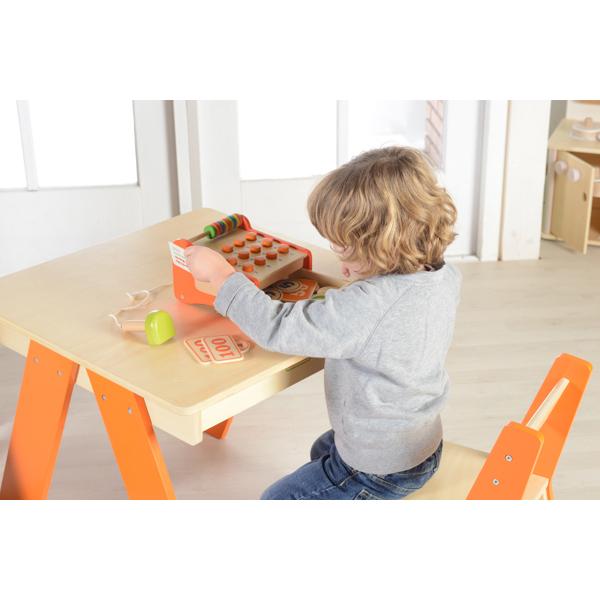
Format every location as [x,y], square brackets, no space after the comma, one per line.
[533,447]
[543,411]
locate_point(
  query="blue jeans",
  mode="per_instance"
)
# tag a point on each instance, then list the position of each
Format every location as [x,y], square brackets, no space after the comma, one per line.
[328,477]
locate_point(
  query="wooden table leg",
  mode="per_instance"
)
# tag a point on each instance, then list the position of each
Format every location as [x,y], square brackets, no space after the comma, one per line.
[46,390]
[133,441]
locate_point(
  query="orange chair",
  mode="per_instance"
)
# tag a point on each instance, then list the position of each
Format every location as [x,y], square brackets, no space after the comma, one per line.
[521,463]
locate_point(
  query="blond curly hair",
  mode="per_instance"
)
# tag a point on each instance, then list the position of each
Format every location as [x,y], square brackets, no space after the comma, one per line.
[386,209]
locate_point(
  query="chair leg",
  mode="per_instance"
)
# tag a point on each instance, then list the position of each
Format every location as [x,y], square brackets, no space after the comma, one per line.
[134,443]
[44,400]
[220,430]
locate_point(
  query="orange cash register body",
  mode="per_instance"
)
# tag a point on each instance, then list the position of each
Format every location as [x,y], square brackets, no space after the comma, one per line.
[261,257]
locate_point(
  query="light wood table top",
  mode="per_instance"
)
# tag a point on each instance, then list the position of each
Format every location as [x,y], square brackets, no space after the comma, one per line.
[63,304]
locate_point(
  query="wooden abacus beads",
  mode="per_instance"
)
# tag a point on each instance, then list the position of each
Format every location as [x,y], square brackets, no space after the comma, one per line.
[223,226]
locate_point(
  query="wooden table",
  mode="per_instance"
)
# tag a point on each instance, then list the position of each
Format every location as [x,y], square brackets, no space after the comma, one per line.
[55,314]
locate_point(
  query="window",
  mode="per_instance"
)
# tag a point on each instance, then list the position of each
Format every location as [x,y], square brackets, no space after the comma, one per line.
[286,139]
[379,123]
[295,139]
[67,144]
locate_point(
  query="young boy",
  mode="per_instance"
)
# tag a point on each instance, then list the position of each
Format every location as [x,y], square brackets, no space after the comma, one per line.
[384,336]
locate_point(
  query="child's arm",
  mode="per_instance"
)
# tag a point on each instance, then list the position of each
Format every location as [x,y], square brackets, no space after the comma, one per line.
[336,327]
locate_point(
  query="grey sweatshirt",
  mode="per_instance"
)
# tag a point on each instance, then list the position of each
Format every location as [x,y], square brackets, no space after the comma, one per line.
[385,341]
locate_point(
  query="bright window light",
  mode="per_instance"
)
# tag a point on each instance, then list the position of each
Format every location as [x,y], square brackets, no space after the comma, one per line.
[380,123]
[12,167]
[83,143]
[286,139]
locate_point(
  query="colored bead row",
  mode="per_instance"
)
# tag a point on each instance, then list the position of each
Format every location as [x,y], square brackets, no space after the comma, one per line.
[230,223]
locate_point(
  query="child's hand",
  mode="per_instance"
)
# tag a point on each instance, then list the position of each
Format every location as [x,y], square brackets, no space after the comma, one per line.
[208,265]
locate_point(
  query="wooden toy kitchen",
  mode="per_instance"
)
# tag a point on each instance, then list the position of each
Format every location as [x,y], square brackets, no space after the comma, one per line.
[572,202]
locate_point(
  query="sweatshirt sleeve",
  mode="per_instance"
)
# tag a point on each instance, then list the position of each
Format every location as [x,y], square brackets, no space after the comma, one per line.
[335,327]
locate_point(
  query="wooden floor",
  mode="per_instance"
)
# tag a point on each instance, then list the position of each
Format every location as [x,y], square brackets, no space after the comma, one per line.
[514,319]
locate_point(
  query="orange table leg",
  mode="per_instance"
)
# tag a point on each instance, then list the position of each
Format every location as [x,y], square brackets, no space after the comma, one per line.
[133,441]
[221,429]
[46,390]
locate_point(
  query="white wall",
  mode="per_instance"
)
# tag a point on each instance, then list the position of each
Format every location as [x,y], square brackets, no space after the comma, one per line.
[156,159]
[461,174]
[276,205]
[218,155]
[580,110]
[558,111]
[36,226]
[493,150]
[524,178]
[507,190]
[279,206]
